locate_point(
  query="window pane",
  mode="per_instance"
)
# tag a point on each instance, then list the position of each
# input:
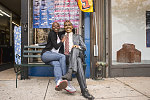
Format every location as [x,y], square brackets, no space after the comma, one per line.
[129,27]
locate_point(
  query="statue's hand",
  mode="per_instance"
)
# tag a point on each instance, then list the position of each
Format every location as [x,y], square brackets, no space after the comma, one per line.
[75,46]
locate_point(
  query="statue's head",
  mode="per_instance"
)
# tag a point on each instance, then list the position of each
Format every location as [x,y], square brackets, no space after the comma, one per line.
[55,27]
[68,26]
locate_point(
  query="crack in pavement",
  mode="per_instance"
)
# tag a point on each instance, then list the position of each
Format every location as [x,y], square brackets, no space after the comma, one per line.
[46,89]
[132,88]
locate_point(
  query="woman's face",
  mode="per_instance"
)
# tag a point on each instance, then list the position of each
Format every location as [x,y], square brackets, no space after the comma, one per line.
[55,27]
[68,26]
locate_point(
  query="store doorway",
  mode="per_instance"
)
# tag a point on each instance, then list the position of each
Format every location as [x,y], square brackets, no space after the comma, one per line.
[6,48]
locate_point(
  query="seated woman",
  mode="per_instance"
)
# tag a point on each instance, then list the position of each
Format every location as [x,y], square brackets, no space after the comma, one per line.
[51,55]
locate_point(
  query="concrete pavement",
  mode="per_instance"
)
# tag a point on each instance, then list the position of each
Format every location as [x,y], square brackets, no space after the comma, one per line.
[43,88]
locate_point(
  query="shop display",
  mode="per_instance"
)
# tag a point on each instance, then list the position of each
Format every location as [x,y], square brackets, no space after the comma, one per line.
[41,13]
[45,12]
[128,54]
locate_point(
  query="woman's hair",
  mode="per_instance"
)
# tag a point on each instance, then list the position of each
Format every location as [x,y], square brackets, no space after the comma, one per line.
[68,21]
[73,30]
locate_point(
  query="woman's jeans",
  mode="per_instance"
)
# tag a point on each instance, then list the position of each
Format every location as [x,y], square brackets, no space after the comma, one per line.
[58,60]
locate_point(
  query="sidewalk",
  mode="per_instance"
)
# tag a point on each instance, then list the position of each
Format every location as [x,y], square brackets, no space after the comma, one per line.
[43,88]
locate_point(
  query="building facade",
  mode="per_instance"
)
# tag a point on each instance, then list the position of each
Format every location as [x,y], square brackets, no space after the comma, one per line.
[114,23]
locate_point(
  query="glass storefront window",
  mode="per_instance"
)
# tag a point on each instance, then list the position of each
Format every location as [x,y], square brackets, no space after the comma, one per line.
[129,39]
[4,28]
[41,19]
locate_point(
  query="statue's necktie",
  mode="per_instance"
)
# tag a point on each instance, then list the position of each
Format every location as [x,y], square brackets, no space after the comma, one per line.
[67,45]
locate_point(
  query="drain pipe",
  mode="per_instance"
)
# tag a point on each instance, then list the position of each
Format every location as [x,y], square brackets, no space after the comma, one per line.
[96,45]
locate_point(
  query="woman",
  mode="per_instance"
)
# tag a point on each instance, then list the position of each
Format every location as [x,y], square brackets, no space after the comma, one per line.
[51,55]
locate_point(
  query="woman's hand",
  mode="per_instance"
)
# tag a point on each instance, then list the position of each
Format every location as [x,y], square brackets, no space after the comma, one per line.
[63,39]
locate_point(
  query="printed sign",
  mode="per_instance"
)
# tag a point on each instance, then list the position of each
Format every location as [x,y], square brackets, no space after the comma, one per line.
[66,10]
[85,5]
[17,40]
[45,12]
[148,28]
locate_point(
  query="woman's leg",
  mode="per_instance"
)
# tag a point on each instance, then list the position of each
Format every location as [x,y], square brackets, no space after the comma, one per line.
[57,70]
[60,84]
[49,56]
[59,62]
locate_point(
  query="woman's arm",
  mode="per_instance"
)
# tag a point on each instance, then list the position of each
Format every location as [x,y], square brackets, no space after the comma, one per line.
[53,37]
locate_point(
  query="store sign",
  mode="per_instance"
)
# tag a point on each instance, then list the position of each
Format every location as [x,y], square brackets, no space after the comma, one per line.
[45,12]
[85,5]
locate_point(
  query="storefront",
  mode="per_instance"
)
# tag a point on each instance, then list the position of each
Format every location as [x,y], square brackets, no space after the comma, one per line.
[105,31]
[7,22]
[37,17]
[121,32]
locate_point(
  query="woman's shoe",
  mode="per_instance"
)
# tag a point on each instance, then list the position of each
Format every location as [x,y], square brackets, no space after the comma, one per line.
[61,84]
[70,89]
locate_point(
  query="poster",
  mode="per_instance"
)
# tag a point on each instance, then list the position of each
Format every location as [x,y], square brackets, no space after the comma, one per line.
[45,12]
[66,10]
[17,40]
[148,28]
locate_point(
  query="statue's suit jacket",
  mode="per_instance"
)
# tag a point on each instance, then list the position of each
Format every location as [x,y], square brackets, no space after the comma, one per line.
[77,40]
[75,53]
